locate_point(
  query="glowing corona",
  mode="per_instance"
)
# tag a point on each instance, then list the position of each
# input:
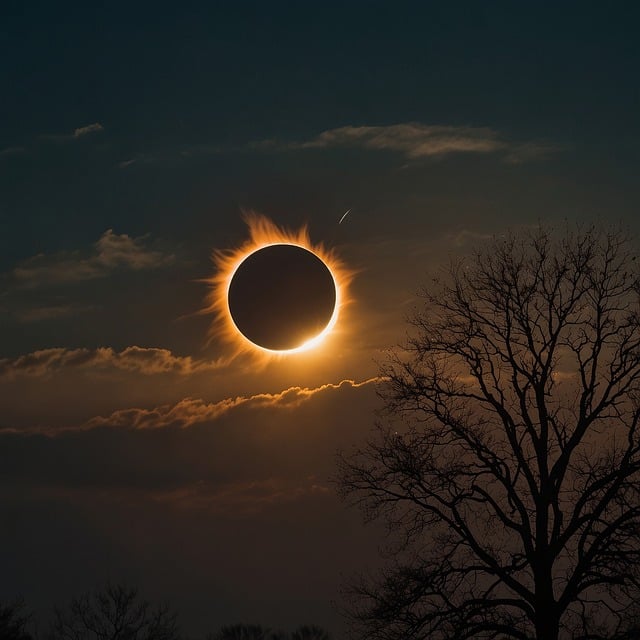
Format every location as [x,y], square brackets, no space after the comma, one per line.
[264,233]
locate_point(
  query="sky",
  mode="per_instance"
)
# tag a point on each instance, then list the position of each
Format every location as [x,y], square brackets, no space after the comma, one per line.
[138,441]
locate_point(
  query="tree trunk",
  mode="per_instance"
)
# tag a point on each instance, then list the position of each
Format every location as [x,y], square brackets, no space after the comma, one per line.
[547,626]
[547,620]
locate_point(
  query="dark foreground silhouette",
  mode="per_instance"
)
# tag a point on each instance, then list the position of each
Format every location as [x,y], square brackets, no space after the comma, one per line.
[117,612]
[507,463]
[14,621]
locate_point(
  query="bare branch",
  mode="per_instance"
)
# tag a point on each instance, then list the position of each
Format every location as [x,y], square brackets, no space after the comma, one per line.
[509,465]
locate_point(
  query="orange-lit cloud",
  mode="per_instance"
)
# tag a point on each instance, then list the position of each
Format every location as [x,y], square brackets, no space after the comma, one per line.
[147,361]
[191,411]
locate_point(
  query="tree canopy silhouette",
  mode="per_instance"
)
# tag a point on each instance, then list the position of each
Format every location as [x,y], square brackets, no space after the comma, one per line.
[115,612]
[508,463]
[258,632]
[310,632]
[246,632]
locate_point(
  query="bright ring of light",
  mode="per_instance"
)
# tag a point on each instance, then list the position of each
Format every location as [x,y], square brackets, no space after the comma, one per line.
[263,234]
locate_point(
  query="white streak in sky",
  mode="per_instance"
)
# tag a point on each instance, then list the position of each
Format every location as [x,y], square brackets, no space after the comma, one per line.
[346,213]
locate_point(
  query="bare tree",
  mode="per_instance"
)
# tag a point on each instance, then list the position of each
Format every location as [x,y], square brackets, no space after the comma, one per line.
[113,613]
[310,632]
[509,460]
[246,632]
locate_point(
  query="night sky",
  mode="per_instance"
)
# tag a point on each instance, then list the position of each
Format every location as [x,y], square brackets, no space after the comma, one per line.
[135,139]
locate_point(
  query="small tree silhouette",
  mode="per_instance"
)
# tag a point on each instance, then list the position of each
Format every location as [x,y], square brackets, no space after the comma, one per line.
[310,632]
[246,632]
[113,613]
[258,632]
[509,465]
[14,621]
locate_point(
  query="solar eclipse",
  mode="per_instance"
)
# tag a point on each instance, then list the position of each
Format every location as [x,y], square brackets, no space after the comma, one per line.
[277,294]
[281,296]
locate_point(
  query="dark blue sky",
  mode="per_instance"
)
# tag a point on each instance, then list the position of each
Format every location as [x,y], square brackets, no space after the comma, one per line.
[223,75]
[132,136]
[232,71]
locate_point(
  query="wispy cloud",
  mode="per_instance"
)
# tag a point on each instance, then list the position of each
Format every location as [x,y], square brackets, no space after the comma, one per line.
[78,132]
[142,360]
[139,159]
[239,455]
[11,151]
[174,158]
[111,252]
[191,411]
[241,498]
[416,140]
[530,151]
[46,312]
[87,129]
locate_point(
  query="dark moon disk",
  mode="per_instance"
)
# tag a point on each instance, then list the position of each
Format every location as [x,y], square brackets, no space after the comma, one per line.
[281,296]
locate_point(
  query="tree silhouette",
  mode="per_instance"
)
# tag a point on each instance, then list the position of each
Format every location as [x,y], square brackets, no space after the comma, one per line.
[509,460]
[246,632]
[258,632]
[310,632]
[14,621]
[113,613]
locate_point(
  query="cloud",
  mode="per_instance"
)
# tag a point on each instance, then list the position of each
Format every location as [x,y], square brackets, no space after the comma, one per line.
[183,414]
[78,132]
[146,361]
[110,252]
[47,312]
[127,163]
[191,411]
[139,159]
[175,158]
[121,250]
[241,498]
[234,449]
[530,151]
[415,140]
[11,151]
[197,496]
[90,128]
[239,455]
